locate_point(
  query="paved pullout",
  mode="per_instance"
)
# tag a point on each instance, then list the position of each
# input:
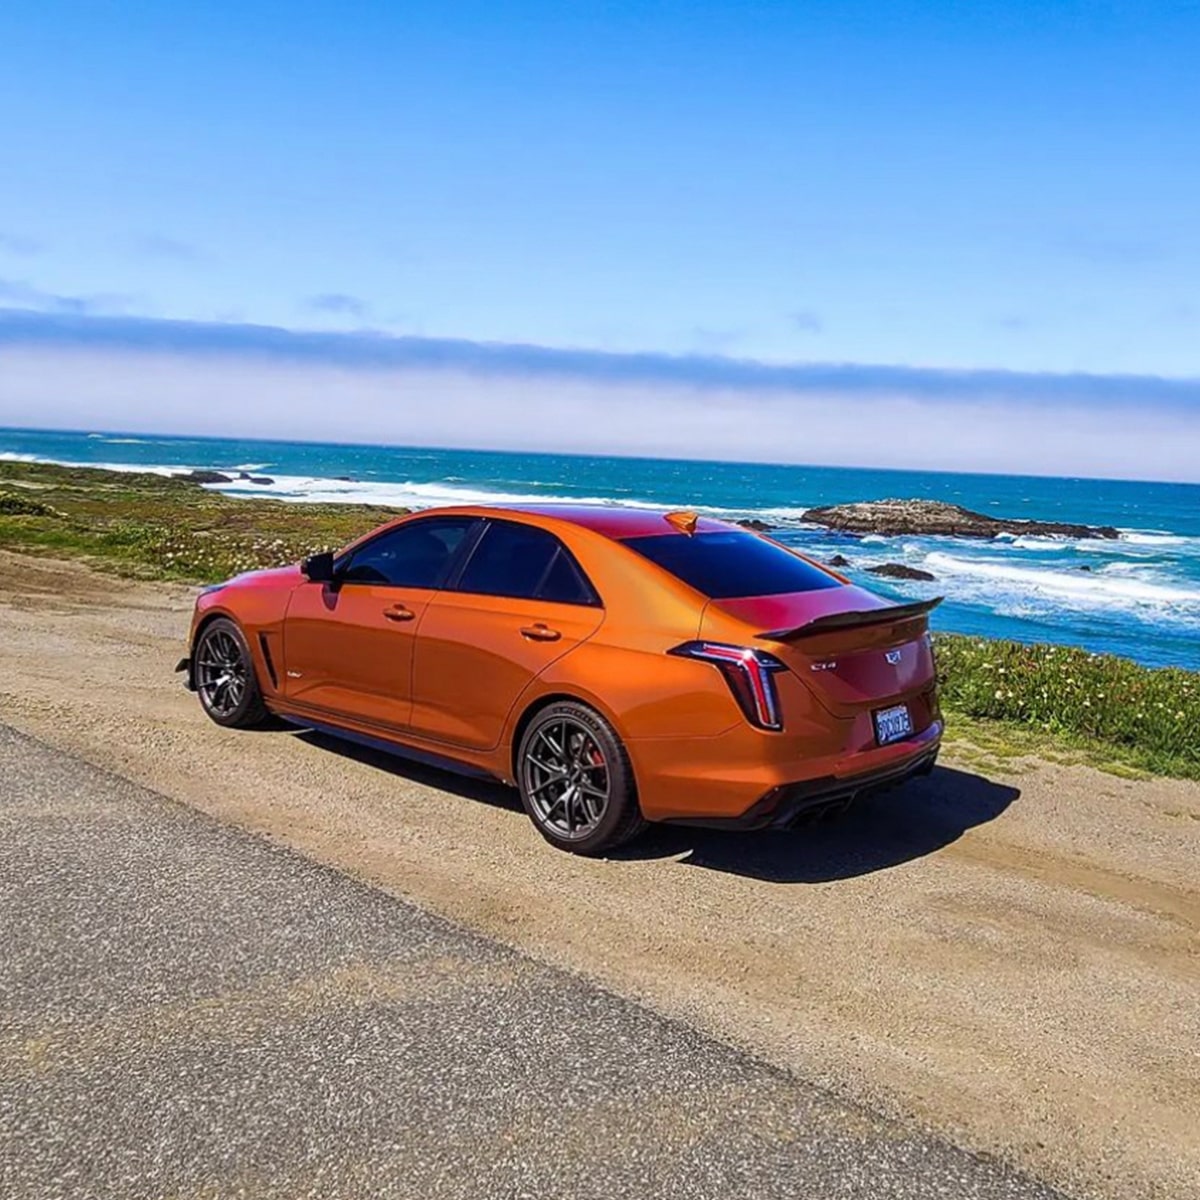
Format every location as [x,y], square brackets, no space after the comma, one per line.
[188,1010]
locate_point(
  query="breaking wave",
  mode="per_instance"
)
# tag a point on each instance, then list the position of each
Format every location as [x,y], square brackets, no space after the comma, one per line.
[1091,589]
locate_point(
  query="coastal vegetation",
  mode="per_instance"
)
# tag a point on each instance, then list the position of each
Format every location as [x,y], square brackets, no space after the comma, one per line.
[1002,699]
[155,527]
[1099,707]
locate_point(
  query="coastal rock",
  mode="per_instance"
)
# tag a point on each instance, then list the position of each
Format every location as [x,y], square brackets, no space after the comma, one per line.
[263,480]
[897,518]
[839,560]
[901,571]
[755,524]
[202,476]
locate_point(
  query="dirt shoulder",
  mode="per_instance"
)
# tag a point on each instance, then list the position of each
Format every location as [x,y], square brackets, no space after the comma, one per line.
[1011,960]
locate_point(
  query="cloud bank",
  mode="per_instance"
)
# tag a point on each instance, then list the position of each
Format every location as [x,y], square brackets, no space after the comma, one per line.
[72,370]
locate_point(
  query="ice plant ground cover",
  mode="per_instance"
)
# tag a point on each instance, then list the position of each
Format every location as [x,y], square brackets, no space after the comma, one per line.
[1012,696]
[1151,717]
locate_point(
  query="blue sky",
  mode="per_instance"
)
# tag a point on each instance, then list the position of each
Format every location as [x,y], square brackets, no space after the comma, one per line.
[985,187]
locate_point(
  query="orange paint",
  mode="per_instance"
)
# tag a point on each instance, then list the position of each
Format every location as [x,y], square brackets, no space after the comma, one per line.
[447,671]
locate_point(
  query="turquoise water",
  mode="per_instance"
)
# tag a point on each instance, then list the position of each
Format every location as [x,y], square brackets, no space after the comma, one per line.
[1140,596]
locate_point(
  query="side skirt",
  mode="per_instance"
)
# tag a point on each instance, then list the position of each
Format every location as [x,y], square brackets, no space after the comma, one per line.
[386,746]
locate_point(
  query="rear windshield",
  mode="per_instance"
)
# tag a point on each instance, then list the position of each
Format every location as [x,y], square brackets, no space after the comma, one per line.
[727,564]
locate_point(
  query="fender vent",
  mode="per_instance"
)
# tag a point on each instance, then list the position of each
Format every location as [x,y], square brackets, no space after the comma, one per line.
[266,653]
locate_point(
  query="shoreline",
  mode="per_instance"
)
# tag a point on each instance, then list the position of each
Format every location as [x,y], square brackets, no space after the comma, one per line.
[482,493]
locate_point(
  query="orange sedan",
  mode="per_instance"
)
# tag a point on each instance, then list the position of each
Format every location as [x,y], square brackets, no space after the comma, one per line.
[618,666]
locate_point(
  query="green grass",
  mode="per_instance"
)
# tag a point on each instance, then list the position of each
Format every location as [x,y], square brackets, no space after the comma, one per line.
[1003,701]
[157,528]
[1011,699]
[1004,747]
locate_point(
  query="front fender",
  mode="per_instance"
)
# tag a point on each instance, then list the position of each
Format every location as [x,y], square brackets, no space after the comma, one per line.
[257,609]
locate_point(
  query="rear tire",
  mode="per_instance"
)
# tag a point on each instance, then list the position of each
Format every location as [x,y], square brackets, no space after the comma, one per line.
[223,673]
[576,782]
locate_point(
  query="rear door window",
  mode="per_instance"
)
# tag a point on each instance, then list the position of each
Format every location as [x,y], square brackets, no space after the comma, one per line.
[526,563]
[729,564]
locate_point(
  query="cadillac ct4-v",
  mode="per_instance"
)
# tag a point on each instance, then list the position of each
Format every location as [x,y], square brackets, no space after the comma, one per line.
[617,666]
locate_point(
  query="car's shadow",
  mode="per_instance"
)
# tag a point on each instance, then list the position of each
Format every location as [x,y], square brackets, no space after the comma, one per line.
[878,832]
[875,833]
[472,787]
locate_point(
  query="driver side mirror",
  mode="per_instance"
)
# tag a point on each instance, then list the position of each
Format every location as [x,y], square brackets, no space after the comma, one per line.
[318,568]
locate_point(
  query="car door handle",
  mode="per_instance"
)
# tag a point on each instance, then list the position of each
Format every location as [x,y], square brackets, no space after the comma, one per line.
[540,633]
[398,612]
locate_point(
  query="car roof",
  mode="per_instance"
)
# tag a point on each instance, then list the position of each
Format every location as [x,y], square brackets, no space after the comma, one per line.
[609,520]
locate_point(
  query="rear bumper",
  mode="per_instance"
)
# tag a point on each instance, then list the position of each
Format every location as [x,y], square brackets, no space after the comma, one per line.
[748,779]
[793,803]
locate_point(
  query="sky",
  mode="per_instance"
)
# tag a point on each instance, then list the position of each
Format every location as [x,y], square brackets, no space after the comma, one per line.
[937,234]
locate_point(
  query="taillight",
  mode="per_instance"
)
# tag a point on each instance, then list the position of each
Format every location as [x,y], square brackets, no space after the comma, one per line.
[749,675]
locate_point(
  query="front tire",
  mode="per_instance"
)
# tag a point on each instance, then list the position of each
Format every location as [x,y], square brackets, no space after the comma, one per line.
[576,782]
[223,673]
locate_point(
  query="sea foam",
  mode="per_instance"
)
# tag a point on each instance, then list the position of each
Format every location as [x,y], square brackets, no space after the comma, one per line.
[1087,587]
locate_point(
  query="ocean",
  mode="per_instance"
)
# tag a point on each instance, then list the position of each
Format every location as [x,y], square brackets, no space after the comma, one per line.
[1138,597]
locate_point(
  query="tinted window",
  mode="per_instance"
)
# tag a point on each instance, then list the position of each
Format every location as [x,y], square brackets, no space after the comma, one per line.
[526,563]
[723,565]
[416,555]
[565,582]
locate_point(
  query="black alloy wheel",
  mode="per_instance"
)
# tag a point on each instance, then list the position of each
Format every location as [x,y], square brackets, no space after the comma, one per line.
[575,780]
[223,674]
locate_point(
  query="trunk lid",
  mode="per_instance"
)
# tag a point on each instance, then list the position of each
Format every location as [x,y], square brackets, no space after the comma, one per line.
[854,650]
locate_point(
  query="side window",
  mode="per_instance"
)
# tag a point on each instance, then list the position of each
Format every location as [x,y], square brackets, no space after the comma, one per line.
[564,582]
[525,563]
[414,555]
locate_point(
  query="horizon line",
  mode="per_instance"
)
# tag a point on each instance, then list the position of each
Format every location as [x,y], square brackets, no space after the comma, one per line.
[649,458]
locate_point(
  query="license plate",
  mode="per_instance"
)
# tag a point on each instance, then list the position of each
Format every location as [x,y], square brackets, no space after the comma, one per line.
[892,724]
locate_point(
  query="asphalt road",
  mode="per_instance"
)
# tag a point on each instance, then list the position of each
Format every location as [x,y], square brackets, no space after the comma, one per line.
[189,1011]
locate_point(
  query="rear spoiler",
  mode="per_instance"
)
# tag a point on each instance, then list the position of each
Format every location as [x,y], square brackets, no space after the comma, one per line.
[853,620]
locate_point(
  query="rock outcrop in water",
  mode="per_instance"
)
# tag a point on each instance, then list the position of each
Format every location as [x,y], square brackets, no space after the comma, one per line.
[902,571]
[202,477]
[926,518]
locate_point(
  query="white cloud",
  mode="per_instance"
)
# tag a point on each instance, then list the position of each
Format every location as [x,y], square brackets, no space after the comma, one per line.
[241,395]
